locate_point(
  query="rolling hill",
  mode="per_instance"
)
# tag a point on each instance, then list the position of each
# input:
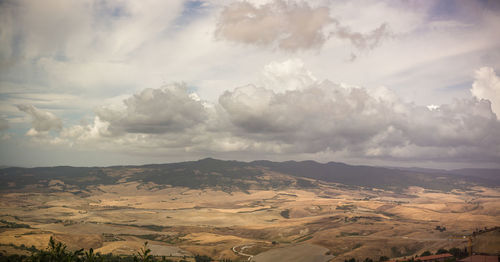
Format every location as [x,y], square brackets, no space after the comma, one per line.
[236,175]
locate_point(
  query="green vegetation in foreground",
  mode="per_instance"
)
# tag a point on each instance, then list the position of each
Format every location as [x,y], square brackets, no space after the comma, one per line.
[57,252]
[456,252]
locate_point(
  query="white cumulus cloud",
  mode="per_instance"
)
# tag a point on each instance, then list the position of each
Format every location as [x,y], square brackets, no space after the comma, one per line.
[487,86]
[288,75]
[303,117]
[168,109]
[369,122]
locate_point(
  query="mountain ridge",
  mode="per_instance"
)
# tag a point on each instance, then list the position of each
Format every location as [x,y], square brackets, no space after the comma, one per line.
[230,174]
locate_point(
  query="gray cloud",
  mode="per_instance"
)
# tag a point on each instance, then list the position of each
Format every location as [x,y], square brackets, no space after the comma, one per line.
[288,25]
[155,111]
[304,117]
[291,25]
[42,121]
[368,123]
[317,118]
[467,122]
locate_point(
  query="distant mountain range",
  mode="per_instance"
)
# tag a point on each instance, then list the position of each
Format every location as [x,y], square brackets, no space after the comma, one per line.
[236,175]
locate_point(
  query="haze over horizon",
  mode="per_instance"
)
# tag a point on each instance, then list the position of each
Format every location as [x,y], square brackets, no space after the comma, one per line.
[100,83]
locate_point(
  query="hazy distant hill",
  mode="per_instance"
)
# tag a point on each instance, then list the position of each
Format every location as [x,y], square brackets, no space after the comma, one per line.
[491,175]
[382,177]
[235,175]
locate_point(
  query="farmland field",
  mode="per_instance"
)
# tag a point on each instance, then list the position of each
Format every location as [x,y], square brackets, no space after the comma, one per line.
[327,221]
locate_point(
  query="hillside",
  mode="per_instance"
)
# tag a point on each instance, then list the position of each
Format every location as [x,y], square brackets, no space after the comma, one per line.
[235,175]
[239,210]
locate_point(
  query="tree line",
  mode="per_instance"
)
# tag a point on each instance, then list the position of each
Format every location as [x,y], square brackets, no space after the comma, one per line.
[58,252]
[457,253]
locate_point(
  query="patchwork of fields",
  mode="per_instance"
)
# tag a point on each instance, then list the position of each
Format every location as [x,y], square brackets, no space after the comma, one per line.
[328,221]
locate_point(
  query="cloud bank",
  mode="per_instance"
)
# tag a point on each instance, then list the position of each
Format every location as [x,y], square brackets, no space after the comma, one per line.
[307,117]
[372,123]
[97,65]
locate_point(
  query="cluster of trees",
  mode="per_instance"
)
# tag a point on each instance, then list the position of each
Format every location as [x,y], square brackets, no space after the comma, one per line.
[456,252]
[7,224]
[381,259]
[440,228]
[58,252]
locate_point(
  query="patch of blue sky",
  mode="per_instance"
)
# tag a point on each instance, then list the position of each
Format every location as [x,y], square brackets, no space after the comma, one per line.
[457,87]
[74,117]
[105,12]
[455,91]
[490,4]
[17,46]
[465,11]
[192,10]
[443,9]
[192,88]
[16,129]
[112,9]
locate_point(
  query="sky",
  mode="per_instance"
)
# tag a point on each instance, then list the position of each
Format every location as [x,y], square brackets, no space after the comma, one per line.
[391,83]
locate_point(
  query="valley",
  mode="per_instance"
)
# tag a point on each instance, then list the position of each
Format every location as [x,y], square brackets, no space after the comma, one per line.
[256,214]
